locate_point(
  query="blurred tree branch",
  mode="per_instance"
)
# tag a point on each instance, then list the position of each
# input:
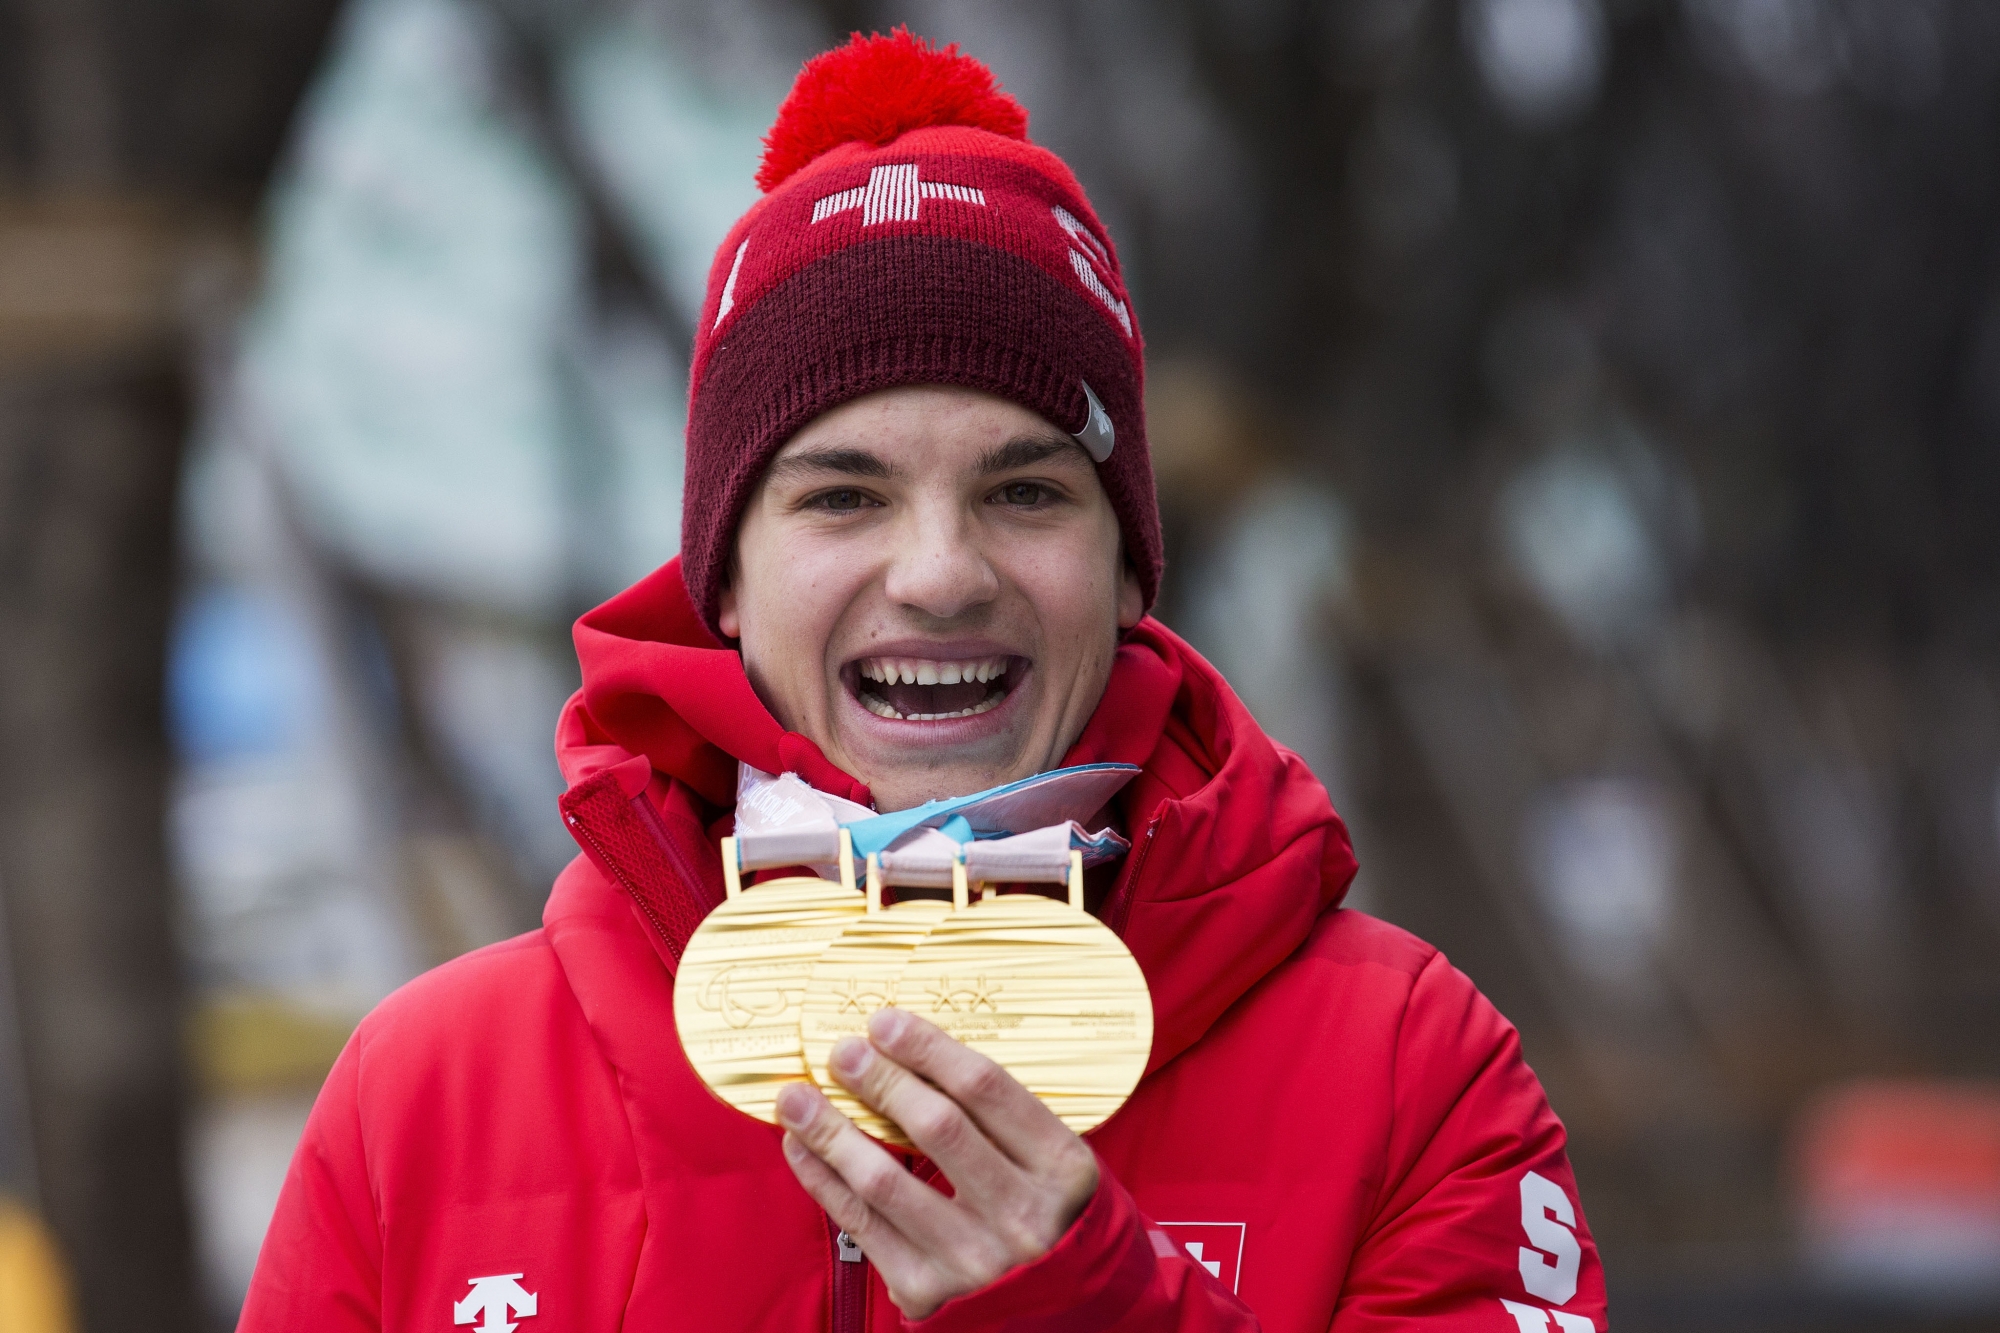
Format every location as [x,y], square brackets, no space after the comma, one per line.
[136,137]
[620,273]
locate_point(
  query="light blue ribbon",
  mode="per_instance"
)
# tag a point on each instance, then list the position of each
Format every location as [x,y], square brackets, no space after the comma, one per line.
[875,834]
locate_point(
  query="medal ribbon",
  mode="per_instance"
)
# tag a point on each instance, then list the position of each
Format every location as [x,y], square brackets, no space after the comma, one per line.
[1021,830]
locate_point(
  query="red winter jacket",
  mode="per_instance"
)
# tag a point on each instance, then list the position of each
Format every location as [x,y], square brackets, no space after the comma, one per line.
[1336,1130]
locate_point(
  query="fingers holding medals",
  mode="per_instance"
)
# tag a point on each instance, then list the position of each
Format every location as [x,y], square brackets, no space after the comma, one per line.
[1008,1205]
[927,1247]
[987,1132]
[1011,1161]
[896,1088]
[854,1179]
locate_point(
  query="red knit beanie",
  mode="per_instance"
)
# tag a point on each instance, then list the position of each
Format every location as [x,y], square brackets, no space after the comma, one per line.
[909,234]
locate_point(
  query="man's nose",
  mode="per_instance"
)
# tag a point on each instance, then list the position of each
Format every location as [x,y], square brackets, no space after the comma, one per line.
[937,566]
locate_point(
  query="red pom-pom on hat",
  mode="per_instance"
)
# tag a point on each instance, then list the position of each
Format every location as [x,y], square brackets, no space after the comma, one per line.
[876,88]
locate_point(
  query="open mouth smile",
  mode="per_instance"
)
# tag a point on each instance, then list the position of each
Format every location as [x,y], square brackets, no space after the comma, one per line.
[916,689]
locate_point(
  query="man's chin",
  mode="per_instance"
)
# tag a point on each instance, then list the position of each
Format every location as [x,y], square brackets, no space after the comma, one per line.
[903,787]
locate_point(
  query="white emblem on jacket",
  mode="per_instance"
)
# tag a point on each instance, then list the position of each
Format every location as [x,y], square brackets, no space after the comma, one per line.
[493,1297]
[1216,1246]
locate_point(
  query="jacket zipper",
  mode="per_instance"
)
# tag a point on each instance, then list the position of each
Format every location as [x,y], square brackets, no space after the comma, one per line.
[850,1283]
[630,890]
[1123,905]
[676,854]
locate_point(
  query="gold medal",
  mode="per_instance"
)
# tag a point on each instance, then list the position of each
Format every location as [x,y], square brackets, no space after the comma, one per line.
[856,975]
[1042,988]
[744,972]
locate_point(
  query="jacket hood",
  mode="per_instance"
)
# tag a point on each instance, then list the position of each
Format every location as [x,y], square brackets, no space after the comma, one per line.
[1236,848]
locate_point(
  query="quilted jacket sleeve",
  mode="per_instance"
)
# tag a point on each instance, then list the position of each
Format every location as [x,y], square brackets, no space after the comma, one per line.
[1477,1222]
[1110,1273]
[321,1264]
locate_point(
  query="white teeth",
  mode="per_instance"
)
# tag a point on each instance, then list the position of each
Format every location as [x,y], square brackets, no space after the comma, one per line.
[880,707]
[923,671]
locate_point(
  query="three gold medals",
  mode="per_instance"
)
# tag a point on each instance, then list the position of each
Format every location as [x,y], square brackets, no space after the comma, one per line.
[782,970]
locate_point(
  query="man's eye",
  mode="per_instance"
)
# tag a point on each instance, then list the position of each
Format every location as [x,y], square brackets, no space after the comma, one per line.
[1024,493]
[841,500]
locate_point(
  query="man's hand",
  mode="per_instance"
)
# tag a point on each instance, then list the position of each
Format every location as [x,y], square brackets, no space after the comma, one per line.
[1019,1175]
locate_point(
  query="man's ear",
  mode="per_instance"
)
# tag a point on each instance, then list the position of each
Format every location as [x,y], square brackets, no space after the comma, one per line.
[727,618]
[1131,598]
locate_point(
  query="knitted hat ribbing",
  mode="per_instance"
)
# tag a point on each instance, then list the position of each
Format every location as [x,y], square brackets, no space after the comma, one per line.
[909,234]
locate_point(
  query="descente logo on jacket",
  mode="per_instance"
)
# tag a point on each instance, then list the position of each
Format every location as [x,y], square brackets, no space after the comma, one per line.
[495,1297]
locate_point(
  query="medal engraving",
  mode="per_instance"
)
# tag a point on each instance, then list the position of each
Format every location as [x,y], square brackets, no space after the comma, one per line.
[860,972]
[741,981]
[1046,991]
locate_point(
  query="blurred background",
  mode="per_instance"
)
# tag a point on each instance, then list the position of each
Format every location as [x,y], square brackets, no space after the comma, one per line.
[1578,423]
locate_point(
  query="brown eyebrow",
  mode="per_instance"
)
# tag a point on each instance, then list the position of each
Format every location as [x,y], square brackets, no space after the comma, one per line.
[1024,451]
[848,462]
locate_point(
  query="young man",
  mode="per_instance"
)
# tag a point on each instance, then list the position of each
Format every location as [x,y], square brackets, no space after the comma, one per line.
[920,539]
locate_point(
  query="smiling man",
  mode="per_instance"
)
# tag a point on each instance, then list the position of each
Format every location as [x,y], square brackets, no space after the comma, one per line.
[929,582]
[919,543]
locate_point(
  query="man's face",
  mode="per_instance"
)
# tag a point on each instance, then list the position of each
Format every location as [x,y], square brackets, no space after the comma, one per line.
[929,584]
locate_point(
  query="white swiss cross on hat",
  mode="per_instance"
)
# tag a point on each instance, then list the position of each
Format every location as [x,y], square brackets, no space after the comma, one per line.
[893,194]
